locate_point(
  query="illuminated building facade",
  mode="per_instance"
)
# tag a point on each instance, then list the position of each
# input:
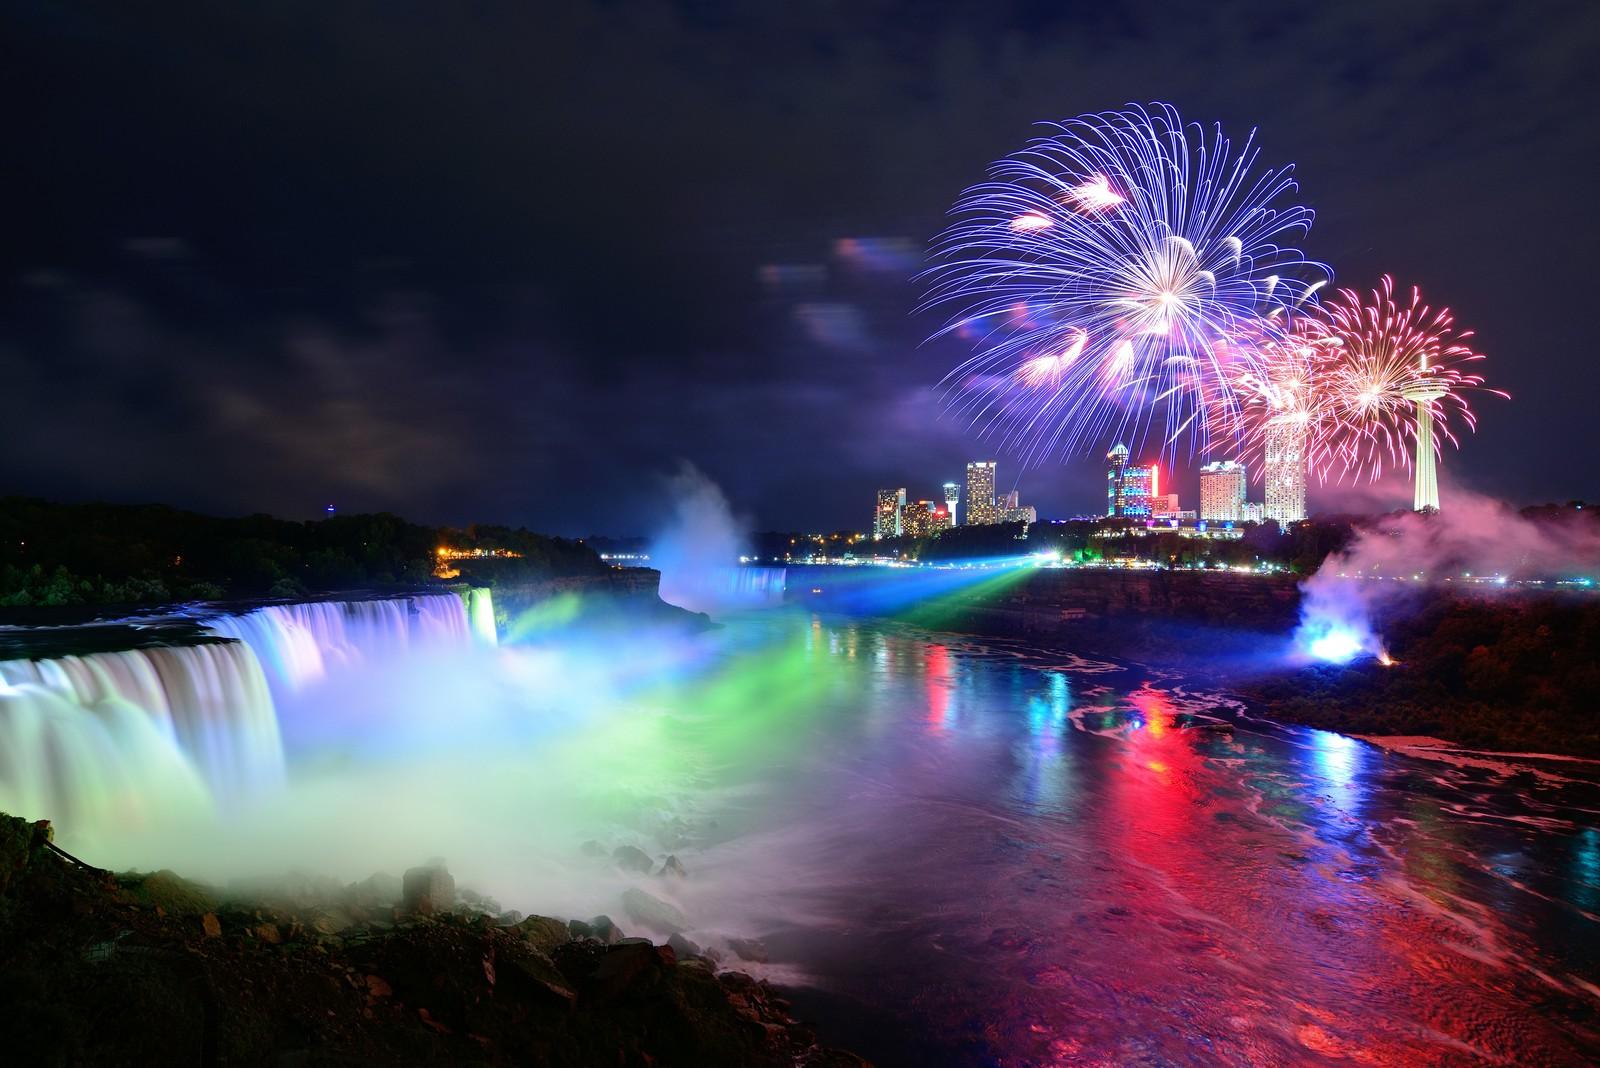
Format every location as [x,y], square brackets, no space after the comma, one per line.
[1012,510]
[952,497]
[1130,489]
[886,519]
[923,519]
[1286,474]
[1222,490]
[981,509]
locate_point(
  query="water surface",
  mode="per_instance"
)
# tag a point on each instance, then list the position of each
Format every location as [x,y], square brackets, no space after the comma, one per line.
[980,853]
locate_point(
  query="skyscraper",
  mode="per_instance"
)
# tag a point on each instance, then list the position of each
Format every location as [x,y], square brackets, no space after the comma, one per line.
[1286,474]
[1117,463]
[886,519]
[923,518]
[980,493]
[1222,490]
[1129,489]
[952,497]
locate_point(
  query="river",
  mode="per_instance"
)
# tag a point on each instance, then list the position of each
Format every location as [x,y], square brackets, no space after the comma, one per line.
[989,854]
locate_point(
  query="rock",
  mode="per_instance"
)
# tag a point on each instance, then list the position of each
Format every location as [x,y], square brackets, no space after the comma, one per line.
[544,933]
[509,918]
[211,925]
[378,986]
[750,949]
[168,891]
[579,929]
[536,978]
[631,968]
[476,901]
[603,929]
[631,858]
[673,868]
[683,947]
[428,890]
[650,911]
[591,848]
[375,891]
[268,933]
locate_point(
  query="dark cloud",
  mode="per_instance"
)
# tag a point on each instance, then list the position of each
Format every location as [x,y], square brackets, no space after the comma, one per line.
[514,261]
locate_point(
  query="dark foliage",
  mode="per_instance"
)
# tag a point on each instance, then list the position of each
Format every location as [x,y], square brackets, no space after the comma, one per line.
[1508,673]
[87,554]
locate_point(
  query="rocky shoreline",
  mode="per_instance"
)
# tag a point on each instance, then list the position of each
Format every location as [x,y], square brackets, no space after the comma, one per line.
[152,968]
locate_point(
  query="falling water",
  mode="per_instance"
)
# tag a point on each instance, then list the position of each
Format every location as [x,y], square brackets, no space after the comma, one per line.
[480,615]
[106,738]
[109,741]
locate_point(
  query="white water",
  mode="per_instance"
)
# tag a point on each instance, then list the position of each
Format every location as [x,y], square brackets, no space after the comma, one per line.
[110,743]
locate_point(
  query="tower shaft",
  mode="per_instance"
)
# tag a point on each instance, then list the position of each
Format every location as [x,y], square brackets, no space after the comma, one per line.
[1426,497]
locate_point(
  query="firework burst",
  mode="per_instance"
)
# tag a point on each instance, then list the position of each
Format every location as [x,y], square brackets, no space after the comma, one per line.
[1108,272]
[1396,357]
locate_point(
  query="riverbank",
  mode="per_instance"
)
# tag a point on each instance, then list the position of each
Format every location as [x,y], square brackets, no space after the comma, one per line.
[1510,671]
[123,968]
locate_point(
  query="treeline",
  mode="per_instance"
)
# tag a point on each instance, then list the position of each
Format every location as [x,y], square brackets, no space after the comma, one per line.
[1511,673]
[1301,548]
[91,554]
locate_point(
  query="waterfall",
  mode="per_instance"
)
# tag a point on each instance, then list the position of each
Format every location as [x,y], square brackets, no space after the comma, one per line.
[725,589]
[480,614]
[299,644]
[104,737]
[104,741]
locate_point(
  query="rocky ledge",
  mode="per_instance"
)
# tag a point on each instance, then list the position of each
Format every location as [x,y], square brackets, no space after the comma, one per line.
[97,967]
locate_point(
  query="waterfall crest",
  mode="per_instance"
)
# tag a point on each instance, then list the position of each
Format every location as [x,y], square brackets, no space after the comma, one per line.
[109,740]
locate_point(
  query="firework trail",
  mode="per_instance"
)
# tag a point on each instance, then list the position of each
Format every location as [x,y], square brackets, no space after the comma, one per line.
[1393,357]
[1114,276]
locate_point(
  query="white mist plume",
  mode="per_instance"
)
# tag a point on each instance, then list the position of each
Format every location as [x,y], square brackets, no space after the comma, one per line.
[1477,536]
[698,551]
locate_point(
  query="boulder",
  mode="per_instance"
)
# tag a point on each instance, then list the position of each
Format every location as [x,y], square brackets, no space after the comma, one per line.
[750,949]
[545,933]
[535,978]
[380,890]
[673,868]
[650,911]
[428,890]
[631,968]
[632,858]
[603,929]
[683,947]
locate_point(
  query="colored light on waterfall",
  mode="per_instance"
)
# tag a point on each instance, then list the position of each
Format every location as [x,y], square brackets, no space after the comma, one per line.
[1336,647]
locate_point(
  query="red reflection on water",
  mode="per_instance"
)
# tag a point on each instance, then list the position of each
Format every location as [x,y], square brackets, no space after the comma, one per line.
[936,677]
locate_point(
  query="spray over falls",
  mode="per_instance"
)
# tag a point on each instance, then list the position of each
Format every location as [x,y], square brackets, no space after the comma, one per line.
[111,742]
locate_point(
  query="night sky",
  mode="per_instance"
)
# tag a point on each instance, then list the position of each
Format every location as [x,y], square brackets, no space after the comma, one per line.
[514,262]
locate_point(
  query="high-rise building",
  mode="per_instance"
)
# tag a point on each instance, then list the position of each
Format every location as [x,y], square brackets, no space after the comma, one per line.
[1252,511]
[1116,465]
[1222,490]
[886,520]
[923,519]
[952,497]
[980,493]
[1286,474]
[1129,488]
